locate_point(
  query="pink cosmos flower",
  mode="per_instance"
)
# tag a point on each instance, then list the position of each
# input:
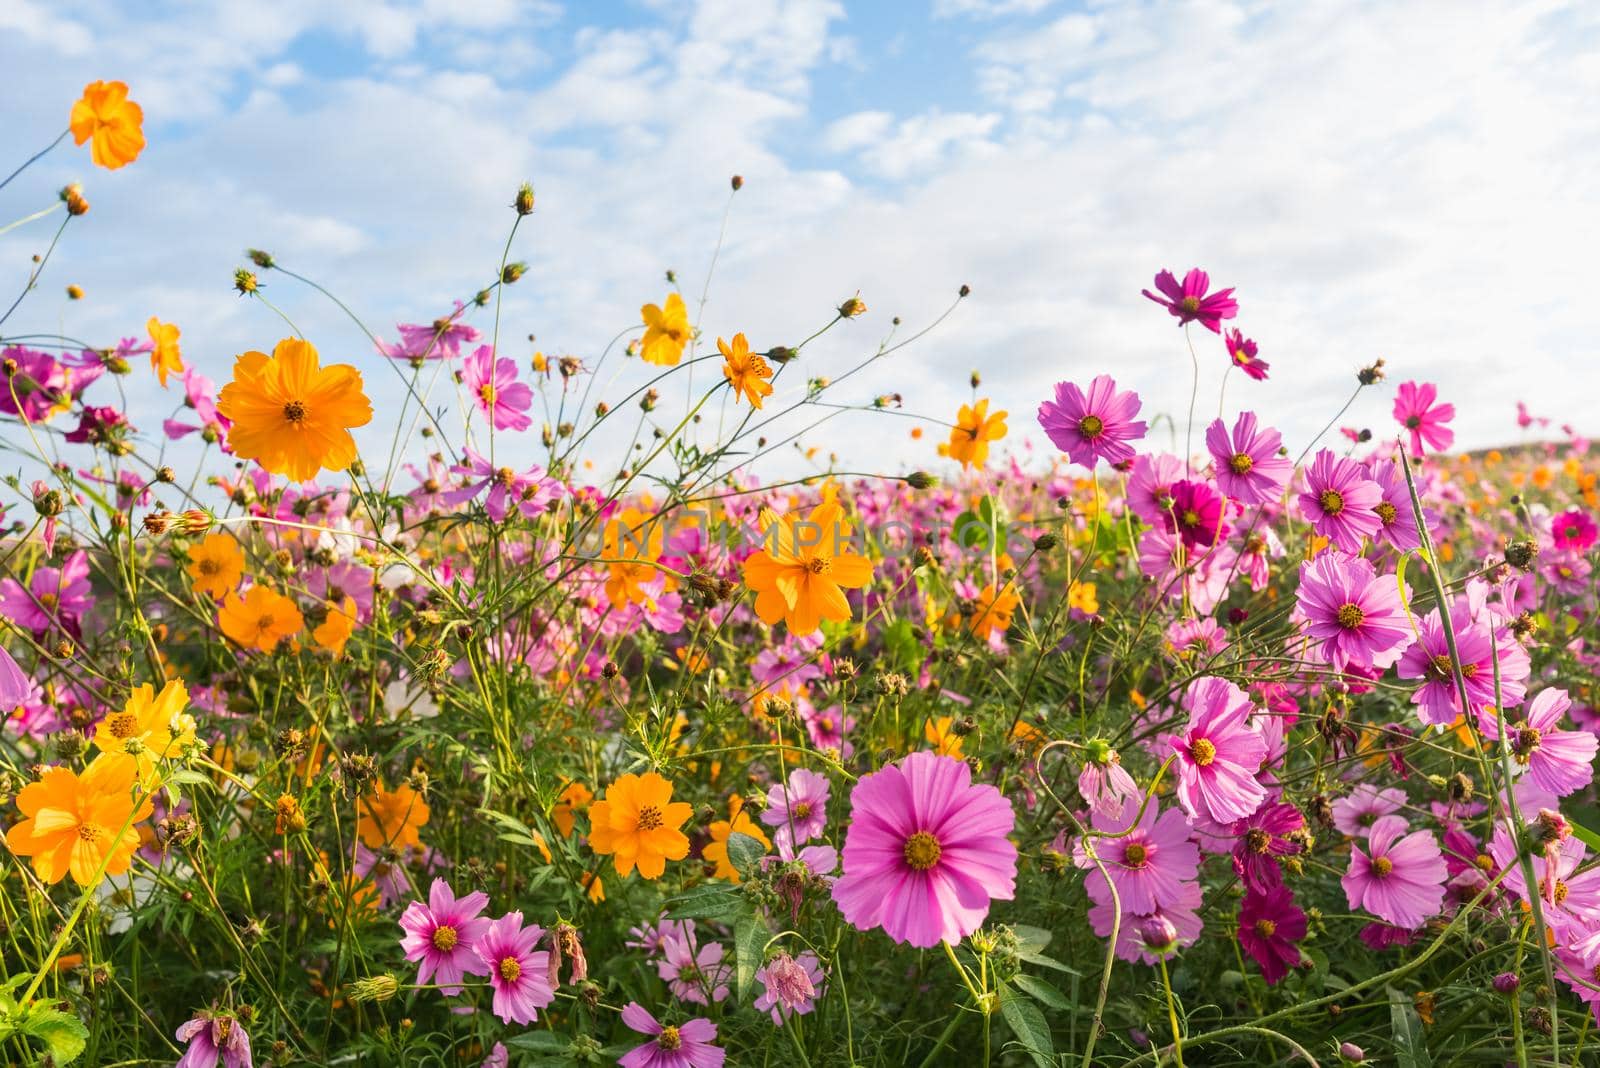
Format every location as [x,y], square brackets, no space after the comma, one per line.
[1559,761]
[827,727]
[926,851]
[688,1045]
[1567,573]
[496,391]
[1438,700]
[1340,500]
[1104,783]
[1415,409]
[790,985]
[53,596]
[1270,928]
[1571,900]
[214,1036]
[1574,530]
[530,492]
[693,972]
[1242,351]
[797,810]
[1248,467]
[1093,426]
[1219,753]
[1189,302]
[1357,813]
[1148,865]
[1357,614]
[1132,943]
[1397,521]
[1260,839]
[1150,485]
[42,385]
[1196,513]
[520,976]
[439,340]
[443,935]
[1399,877]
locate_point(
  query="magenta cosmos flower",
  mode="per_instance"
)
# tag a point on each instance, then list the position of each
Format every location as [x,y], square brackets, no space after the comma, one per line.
[1415,409]
[1242,351]
[1574,530]
[1397,520]
[1438,700]
[1248,466]
[1399,877]
[496,391]
[213,1037]
[1196,513]
[442,936]
[1148,866]
[520,976]
[1560,761]
[1340,500]
[926,851]
[1358,813]
[687,1045]
[53,596]
[1189,302]
[1093,426]
[439,340]
[1270,926]
[797,810]
[1219,753]
[1356,613]
[1260,840]
[530,492]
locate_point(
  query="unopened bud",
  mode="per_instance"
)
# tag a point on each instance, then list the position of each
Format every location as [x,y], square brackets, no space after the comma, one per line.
[524,201]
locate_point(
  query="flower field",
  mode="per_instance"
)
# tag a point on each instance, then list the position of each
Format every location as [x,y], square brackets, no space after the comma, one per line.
[502,745]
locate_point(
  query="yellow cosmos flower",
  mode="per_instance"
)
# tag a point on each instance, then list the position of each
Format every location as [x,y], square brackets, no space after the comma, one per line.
[717,850]
[150,728]
[636,824]
[75,823]
[105,115]
[975,428]
[216,565]
[292,415]
[945,742]
[747,372]
[164,357]
[666,332]
[802,569]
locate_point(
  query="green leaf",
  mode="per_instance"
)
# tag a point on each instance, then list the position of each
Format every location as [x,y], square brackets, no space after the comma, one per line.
[1410,1048]
[1028,1024]
[538,1042]
[708,903]
[65,1035]
[1042,992]
[1031,941]
[749,947]
[1585,835]
[744,853]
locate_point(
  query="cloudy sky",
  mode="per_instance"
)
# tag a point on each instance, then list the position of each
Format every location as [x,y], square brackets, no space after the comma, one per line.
[1411,181]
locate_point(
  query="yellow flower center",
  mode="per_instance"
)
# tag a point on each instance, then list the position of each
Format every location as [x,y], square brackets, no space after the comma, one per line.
[208,566]
[1241,463]
[1483,862]
[1090,426]
[1202,752]
[445,938]
[649,818]
[1382,866]
[1386,512]
[669,1038]
[802,810]
[922,851]
[1266,928]
[1350,616]
[1561,891]
[91,832]
[1332,501]
[49,601]
[1240,356]
[1258,841]
[264,624]
[510,969]
[122,725]
[819,565]
[1134,856]
[486,391]
[1190,517]
[506,477]
[295,412]
[1190,304]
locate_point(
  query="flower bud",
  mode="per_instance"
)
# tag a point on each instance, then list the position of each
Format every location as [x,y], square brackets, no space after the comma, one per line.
[524,201]
[260,259]
[853,307]
[921,480]
[74,292]
[1351,1053]
[375,988]
[1158,933]
[737,182]
[245,282]
[1507,982]
[74,199]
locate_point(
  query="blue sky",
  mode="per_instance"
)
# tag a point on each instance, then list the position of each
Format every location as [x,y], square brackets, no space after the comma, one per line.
[1405,181]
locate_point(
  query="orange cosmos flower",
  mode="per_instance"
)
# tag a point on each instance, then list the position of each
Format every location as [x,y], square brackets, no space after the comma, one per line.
[164,358]
[389,818]
[216,565]
[717,850]
[970,437]
[573,800]
[945,741]
[637,822]
[333,632]
[260,619]
[802,570]
[150,727]
[993,611]
[75,823]
[666,332]
[292,415]
[745,371]
[105,114]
